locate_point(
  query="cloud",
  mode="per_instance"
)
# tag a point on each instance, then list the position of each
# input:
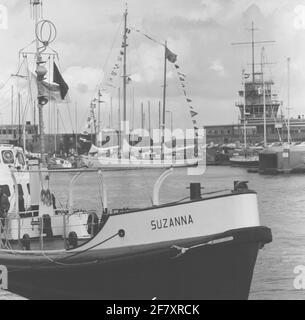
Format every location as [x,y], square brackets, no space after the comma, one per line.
[83,79]
[200,32]
[218,68]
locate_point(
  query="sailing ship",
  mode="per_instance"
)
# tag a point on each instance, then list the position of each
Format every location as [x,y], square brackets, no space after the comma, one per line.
[129,157]
[203,247]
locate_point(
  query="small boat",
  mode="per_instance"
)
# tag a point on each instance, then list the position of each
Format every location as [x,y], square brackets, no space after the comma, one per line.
[58,163]
[244,160]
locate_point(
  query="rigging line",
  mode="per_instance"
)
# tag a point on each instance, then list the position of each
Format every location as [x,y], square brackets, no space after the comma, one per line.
[29,82]
[63,124]
[107,59]
[148,37]
[21,50]
[89,248]
[69,112]
[110,52]
[10,77]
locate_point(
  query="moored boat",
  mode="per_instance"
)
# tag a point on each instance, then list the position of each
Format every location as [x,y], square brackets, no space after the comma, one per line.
[201,248]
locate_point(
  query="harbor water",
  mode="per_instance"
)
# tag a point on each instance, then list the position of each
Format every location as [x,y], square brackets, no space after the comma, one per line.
[281,204]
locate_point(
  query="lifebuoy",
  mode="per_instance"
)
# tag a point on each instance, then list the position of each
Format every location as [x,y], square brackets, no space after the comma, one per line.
[93,224]
[72,239]
[43,196]
[8,157]
[48,201]
[46,197]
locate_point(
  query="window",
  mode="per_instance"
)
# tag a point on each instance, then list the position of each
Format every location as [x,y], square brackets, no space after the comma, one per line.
[6,189]
[20,190]
[20,158]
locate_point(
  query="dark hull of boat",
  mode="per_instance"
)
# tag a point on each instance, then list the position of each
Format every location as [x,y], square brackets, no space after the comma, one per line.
[247,164]
[217,270]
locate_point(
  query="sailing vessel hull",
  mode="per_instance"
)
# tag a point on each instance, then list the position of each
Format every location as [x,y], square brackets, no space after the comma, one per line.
[206,271]
[244,161]
[125,164]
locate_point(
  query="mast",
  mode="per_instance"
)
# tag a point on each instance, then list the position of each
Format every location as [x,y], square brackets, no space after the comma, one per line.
[252,43]
[76,127]
[264,96]
[119,128]
[56,129]
[19,119]
[253,58]
[149,129]
[125,66]
[288,99]
[99,118]
[244,104]
[142,119]
[111,111]
[164,102]
[12,105]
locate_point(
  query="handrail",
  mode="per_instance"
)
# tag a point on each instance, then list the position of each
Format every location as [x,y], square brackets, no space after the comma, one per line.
[158,184]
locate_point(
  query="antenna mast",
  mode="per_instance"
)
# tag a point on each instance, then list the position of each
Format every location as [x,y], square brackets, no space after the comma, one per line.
[164,103]
[41,69]
[252,43]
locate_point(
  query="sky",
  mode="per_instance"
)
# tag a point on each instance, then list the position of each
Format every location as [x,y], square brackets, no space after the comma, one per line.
[200,32]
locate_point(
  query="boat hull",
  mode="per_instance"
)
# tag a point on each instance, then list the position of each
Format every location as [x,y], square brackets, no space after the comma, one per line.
[125,164]
[215,267]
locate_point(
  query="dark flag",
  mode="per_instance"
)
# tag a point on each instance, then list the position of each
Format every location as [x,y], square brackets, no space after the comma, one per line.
[57,78]
[170,56]
[193,114]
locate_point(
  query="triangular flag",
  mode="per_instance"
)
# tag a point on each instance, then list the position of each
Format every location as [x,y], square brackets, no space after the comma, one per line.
[193,114]
[188,100]
[176,66]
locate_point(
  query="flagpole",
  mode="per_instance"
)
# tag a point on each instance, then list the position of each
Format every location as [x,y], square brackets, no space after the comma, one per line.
[76,128]
[288,99]
[244,103]
[164,103]
[99,118]
[12,105]
[264,98]
[41,72]
[119,128]
[125,70]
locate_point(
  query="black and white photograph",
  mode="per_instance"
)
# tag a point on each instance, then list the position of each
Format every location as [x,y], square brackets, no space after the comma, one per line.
[152,151]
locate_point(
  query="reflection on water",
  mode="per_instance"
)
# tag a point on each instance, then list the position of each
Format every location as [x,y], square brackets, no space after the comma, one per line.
[281,202]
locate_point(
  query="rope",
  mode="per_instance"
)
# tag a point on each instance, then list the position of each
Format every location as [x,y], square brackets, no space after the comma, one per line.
[147,36]
[90,248]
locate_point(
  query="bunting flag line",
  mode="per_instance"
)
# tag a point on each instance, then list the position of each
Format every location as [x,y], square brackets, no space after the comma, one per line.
[181,77]
[147,36]
[182,74]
